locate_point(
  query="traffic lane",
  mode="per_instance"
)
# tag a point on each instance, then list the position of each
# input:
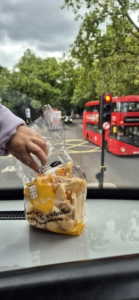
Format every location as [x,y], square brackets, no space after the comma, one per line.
[83,152]
[8,176]
[121,171]
[70,127]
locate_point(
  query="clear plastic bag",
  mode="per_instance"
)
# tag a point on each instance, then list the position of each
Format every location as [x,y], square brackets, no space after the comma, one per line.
[55,197]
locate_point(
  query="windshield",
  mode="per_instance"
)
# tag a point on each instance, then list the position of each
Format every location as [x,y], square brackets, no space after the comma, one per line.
[46,57]
[41,69]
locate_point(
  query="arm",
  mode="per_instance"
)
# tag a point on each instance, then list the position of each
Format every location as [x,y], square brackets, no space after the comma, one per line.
[8,124]
[20,140]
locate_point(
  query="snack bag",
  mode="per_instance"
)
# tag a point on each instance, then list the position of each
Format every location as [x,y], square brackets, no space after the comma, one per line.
[55,197]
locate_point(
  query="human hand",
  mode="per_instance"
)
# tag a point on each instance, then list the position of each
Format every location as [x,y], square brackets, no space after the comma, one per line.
[23,143]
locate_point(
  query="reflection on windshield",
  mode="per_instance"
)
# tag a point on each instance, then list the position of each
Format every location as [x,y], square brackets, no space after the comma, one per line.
[112,229]
[114,226]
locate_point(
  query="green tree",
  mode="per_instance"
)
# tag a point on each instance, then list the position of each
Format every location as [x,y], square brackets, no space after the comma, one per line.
[107,45]
[38,77]
[67,82]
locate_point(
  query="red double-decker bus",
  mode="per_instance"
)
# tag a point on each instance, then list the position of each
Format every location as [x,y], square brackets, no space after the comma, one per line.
[123,136]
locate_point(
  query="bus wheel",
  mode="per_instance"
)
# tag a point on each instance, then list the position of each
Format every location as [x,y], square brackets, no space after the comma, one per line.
[106,146]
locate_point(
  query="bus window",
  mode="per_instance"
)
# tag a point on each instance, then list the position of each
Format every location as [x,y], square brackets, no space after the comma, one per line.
[92,108]
[96,108]
[135,130]
[88,108]
[114,107]
[120,132]
[138,131]
[127,106]
[91,126]
[118,106]
[124,107]
[113,131]
[131,131]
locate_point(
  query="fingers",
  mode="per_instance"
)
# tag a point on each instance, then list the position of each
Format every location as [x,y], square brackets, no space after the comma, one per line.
[24,143]
[27,160]
[36,150]
[41,143]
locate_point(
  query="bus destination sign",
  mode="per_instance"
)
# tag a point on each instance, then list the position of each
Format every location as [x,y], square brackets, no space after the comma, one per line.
[131,119]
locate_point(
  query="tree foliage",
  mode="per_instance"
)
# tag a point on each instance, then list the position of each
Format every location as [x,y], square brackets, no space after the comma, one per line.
[107,44]
[34,82]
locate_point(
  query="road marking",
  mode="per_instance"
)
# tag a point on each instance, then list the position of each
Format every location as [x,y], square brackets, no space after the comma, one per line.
[80,143]
[84,151]
[8,169]
[86,146]
[80,152]
[76,145]
[74,140]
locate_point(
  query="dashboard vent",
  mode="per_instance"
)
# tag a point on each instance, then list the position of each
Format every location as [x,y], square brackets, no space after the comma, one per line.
[12,215]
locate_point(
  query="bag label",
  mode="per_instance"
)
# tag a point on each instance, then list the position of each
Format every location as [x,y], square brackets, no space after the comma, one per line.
[40,195]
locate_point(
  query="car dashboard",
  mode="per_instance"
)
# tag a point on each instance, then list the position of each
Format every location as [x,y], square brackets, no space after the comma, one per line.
[102,263]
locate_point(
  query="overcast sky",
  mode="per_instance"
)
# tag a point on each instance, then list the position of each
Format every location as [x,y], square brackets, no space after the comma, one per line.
[36,24]
[39,25]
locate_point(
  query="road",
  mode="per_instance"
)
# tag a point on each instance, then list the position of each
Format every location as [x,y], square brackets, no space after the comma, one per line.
[121,171]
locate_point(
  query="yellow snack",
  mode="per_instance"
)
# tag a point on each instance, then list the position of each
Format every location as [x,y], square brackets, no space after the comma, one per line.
[67,206]
[65,171]
[57,201]
[53,213]
[46,178]
[76,185]
[66,223]
[60,172]
[61,179]
[74,202]
[68,192]
[53,226]
[61,193]
[68,168]
[41,225]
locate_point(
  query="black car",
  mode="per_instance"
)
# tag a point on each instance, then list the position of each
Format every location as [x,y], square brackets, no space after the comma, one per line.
[68,119]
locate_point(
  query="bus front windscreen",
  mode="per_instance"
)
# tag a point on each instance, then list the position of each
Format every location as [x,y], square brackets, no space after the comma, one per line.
[127,134]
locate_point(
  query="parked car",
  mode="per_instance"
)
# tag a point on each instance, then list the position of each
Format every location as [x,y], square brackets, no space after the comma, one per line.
[68,119]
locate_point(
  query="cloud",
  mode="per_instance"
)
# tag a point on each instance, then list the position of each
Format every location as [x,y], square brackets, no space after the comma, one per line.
[39,25]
